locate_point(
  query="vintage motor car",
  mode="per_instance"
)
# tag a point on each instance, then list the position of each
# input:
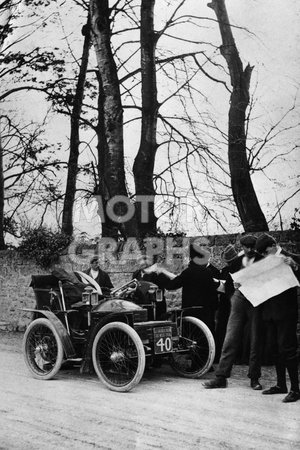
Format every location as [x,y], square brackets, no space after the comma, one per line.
[116,333]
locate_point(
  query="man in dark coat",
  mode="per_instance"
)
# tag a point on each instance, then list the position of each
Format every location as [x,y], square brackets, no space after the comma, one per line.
[100,276]
[241,311]
[198,285]
[281,313]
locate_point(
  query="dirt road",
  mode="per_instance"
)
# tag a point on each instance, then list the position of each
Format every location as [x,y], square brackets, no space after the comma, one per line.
[164,411]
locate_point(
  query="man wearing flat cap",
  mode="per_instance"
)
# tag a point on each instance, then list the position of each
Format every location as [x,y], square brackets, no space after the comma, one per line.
[99,275]
[241,311]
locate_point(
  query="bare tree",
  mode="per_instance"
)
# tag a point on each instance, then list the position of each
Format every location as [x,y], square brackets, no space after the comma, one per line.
[176,138]
[19,71]
[144,162]
[243,191]
[29,173]
[114,176]
[6,7]
[2,242]
[67,215]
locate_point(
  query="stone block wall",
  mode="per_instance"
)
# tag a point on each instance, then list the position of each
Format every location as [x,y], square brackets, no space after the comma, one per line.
[15,272]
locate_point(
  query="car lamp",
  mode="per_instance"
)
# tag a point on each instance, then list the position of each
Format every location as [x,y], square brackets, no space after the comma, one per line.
[86,295]
[94,298]
[159,295]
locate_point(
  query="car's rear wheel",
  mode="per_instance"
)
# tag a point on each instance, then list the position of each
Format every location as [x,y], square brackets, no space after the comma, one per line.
[42,349]
[196,350]
[118,356]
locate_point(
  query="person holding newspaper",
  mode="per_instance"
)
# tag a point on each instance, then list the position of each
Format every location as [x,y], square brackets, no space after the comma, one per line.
[281,313]
[241,311]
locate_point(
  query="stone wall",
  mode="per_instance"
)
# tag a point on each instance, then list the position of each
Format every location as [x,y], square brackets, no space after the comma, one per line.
[15,272]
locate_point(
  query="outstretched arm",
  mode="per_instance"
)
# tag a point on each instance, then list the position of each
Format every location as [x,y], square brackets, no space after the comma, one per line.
[155,268]
[166,272]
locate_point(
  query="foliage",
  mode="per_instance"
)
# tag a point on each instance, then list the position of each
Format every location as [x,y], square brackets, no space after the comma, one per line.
[43,245]
[29,172]
[295,224]
[10,226]
[27,168]
[176,234]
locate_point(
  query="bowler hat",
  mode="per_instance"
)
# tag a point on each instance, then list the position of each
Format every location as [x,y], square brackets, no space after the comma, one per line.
[248,241]
[229,254]
[263,242]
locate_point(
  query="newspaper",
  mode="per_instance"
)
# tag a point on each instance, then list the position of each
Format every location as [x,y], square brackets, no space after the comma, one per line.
[265,279]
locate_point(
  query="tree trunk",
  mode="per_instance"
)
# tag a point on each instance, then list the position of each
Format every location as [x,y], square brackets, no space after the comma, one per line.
[244,195]
[113,159]
[67,215]
[5,9]
[144,162]
[109,228]
[2,242]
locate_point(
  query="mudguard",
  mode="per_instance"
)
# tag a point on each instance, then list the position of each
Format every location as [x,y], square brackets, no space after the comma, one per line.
[61,330]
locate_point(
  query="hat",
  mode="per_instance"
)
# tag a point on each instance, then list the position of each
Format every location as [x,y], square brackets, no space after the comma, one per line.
[229,254]
[263,242]
[93,259]
[248,241]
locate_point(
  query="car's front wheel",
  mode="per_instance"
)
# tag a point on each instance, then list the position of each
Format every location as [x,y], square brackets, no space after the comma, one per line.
[118,356]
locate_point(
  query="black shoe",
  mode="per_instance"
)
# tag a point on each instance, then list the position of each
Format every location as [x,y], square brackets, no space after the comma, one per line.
[292,396]
[255,384]
[275,390]
[216,383]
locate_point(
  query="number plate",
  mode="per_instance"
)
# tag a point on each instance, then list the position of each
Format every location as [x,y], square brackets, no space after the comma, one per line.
[162,340]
